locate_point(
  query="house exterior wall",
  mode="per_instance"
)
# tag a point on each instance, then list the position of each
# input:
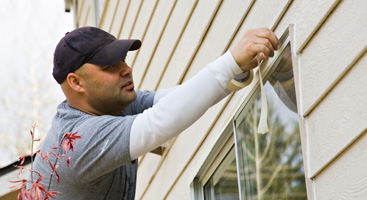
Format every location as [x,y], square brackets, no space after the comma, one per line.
[329,45]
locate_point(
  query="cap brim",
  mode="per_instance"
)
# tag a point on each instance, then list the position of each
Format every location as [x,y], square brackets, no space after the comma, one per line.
[114,52]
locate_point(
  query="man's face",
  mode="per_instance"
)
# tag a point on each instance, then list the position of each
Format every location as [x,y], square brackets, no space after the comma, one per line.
[109,89]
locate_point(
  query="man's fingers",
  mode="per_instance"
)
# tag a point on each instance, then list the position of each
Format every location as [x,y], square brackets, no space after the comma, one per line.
[254,62]
[264,41]
[260,48]
[263,56]
[269,35]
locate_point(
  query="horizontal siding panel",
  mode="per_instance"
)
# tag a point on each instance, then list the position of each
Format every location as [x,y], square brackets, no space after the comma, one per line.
[288,18]
[119,18]
[108,15]
[189,42]
[171,36]
[141,25]
[346,177]
[84,14]
[220,34]
[130,19]
[310,16]
[262,14]
[328,54]
[91,16]
[154,32]
[80,7]
[336,121]
[146,170]
[182,191]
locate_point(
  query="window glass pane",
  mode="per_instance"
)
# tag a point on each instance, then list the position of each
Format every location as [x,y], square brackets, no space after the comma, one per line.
[223,185]
[271,165]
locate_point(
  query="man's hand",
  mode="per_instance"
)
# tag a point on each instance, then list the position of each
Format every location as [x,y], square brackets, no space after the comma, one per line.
[252,42]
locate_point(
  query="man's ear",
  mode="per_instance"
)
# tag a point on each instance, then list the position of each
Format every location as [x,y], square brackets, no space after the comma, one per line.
[75,82]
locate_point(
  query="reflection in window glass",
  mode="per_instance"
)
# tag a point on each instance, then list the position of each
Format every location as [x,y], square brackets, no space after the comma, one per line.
[223,185]
[271,165]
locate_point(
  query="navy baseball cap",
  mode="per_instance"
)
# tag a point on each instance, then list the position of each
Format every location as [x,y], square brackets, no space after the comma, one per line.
[89,45]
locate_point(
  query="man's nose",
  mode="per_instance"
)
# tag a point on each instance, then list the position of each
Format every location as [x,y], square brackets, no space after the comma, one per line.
[125,69]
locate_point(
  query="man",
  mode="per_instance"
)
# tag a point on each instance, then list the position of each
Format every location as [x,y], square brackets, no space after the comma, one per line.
[118,123]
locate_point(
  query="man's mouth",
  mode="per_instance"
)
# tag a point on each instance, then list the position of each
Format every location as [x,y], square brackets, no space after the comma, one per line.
[129,85]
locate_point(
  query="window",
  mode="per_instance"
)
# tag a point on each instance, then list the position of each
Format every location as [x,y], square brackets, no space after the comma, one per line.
[223,184]
[271,165]
[262,166]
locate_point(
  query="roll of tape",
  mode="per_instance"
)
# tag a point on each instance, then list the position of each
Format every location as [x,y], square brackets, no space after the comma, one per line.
[234,85]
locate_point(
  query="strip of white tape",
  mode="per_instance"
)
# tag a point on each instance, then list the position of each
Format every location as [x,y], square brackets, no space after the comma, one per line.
[263,122]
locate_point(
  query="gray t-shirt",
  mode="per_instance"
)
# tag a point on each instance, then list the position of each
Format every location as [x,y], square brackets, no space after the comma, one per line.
[101,167]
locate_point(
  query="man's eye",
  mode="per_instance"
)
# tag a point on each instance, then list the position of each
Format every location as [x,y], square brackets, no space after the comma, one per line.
[107,67]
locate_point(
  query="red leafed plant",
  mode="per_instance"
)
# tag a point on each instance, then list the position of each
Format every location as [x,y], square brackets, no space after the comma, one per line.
[38,190]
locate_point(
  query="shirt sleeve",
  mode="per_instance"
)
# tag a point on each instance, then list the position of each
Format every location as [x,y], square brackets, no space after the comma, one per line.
[183,106]
[161,93]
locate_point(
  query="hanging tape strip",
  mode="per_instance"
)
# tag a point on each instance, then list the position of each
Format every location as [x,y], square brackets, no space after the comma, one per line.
[238,83]
[263,123]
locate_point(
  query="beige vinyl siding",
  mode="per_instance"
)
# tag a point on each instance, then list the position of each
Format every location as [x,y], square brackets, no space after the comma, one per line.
[340,118]
[86,15]
[332,95]
[83,14]
[189,43]
[80,7]
[148,166]
[141,24]
[309,17]
[346,178]
[120,12]
[344,139]
[152,39]
[324,67]
[329,45]
[342,35]
[169,38]
[108,15]
[127,24]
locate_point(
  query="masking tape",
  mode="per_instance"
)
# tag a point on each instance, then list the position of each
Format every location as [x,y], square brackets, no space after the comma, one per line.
[263,122]
[234,85]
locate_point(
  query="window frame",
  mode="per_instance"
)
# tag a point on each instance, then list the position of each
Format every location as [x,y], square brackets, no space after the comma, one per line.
[220,150]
